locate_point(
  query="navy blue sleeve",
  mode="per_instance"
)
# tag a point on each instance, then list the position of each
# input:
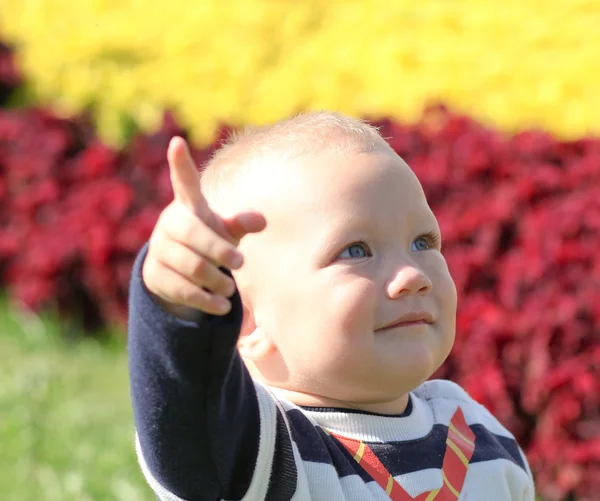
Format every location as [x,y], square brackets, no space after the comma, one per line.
[194,404]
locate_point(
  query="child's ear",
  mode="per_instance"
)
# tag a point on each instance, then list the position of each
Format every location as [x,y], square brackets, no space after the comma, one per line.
[248,322]
[255,345]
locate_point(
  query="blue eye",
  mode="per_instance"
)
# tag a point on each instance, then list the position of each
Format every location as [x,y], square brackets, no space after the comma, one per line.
[420,244]
[425,242]
[356,251]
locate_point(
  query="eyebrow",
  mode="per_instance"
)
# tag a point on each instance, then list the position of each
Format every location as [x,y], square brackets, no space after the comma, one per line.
[340,234]
[359,227]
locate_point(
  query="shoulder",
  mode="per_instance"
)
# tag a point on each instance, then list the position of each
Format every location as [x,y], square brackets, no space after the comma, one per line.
[445,396]
[493,440]
[442,389]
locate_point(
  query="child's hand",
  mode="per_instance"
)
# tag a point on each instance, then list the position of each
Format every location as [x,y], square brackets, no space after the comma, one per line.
[190,242]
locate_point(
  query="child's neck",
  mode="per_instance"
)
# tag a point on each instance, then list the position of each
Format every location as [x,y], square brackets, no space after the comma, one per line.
[395,406]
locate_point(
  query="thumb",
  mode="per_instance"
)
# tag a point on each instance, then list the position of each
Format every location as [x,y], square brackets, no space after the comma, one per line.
[244,223]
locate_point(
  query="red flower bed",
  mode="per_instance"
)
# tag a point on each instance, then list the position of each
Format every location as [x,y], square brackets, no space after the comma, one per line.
[521,222]
[73,212]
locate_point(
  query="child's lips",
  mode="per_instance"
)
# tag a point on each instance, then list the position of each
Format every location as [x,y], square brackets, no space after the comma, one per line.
[408,319]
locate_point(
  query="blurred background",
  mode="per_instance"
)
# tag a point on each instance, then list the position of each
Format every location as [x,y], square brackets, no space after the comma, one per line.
[494,105]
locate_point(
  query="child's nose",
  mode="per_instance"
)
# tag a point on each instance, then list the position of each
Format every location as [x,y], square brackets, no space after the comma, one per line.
[409,280]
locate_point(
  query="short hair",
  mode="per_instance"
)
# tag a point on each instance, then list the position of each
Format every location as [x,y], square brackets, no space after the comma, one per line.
[303,134]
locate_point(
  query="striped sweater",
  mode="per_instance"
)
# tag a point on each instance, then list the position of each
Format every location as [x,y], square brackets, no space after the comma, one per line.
[206,431]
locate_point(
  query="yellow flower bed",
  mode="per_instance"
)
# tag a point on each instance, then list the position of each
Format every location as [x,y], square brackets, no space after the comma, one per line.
[513,64]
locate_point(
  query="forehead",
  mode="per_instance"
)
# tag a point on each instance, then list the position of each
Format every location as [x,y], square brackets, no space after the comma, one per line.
[330,185]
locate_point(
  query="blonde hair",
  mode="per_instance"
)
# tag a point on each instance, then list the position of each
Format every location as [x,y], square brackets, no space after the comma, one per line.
[303,134]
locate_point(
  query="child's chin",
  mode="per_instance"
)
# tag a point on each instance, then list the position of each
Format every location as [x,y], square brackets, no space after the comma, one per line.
[409,357]
[390,384]
[405,377]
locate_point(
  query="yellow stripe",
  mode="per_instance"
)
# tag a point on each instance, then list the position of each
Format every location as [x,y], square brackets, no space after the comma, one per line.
[432,495]
[360,452]
[453,428]
[449,485]
[390,484]
[458,452]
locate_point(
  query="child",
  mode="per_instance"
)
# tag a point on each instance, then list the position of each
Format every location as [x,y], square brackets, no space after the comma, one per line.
[306,378]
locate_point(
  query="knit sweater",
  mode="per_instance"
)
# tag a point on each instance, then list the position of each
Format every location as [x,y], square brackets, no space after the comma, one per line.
[205,430]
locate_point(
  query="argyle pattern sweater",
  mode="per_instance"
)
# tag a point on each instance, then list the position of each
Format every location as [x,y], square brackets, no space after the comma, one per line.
[206,431]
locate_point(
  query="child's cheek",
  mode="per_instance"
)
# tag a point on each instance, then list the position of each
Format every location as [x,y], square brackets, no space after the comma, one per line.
[352,309]
[444,287]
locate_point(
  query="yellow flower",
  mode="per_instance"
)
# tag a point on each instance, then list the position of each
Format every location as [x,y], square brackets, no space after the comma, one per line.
[513,65]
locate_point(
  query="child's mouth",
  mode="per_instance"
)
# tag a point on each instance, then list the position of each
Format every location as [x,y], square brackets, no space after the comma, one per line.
[409,319]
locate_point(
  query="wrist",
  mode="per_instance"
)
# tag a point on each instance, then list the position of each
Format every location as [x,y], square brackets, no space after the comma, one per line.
[178,310]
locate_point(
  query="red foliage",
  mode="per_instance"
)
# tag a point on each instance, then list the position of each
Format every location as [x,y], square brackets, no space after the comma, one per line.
[74,212]
[521,223]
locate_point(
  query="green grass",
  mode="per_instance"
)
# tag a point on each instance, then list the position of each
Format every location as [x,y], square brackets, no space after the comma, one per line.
[66,428]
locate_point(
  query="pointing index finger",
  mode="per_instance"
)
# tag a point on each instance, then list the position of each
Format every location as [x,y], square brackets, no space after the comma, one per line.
[185,179]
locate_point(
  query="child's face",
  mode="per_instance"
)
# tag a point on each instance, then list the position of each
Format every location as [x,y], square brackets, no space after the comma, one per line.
[350,247]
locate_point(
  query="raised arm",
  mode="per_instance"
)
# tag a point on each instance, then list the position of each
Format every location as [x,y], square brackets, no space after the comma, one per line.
[194,403]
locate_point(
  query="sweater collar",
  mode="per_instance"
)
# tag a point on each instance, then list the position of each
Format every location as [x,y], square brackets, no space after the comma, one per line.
[415,423]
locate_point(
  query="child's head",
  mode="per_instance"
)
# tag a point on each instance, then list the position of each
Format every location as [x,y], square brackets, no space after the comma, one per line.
[350,247]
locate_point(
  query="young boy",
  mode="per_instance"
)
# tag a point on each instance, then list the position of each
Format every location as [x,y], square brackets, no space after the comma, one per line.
[306,378]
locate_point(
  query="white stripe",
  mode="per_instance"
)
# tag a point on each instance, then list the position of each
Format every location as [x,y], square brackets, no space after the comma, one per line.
[326,485]
[371,428]
[498,480]
[266,446]
[444,396]
[302,490]
[418,482]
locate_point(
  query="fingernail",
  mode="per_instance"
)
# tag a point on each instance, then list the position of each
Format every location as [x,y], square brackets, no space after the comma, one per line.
[237,260]
[230,288]
[223,305]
